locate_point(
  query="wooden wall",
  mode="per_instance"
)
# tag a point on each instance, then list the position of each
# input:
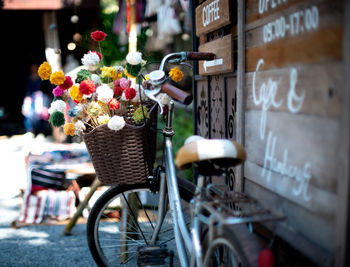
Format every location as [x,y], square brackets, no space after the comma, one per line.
[284,99]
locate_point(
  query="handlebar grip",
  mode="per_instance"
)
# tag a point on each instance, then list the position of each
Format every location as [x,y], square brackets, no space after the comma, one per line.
[177,93]
[200,56]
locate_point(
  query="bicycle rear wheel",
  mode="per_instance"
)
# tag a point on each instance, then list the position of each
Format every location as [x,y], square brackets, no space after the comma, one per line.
[232,246]
[113,239]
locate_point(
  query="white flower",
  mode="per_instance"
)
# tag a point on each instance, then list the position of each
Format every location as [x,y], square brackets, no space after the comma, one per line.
[104,93]
[80,126]
[90,60]
[134,58]
[96,79]
[119,69]
[163,99]
[116,123]
[58,105]
[143,94]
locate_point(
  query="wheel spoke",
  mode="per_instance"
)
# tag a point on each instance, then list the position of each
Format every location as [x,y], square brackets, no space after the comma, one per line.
[134,218]
[114,238]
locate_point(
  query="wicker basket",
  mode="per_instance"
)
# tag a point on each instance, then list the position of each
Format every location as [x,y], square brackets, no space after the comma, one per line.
[126,156]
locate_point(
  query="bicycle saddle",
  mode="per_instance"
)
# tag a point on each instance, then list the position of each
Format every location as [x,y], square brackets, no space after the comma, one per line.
[220,152]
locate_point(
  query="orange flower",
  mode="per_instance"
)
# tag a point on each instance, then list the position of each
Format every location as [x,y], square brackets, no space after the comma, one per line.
[176,74]
[57,78]
[69,129]
[45,71]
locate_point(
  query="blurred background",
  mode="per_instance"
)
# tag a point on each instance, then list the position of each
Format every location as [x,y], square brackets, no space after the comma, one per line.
[58,31]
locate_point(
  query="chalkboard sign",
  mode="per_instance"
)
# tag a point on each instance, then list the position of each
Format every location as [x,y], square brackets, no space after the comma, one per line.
[292,93]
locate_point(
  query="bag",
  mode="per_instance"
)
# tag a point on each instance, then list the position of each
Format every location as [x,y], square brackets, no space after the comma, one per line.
[47,178]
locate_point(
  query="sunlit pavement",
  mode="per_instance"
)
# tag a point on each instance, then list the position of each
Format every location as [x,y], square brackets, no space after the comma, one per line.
[37,245]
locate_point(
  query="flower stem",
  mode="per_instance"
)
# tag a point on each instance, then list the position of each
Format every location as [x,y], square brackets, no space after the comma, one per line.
[100,48]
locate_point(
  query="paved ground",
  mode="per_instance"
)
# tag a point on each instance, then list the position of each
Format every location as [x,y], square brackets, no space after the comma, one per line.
[38,245]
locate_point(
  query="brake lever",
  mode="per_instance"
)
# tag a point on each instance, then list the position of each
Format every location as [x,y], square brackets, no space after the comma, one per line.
[186,65]
[151,95]
[175,61]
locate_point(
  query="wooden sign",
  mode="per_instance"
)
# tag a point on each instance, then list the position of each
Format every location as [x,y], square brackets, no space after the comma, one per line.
[223,63]
[212,15]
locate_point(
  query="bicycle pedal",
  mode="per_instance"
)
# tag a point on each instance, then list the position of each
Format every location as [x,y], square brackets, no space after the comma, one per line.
[154,255]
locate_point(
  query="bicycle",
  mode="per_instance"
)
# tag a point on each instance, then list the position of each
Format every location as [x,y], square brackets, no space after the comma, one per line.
[207,221]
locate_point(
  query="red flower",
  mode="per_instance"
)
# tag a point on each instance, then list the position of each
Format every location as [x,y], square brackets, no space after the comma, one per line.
[98,36]
[98,53]
[130,93]
[114,104]
[118,91]
[68,83]
[87,87]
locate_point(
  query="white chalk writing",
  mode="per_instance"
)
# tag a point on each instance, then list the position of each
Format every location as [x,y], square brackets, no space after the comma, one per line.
[210,13]
[292,96]
[302,175]
[265,5]
[301,21]
[265,96]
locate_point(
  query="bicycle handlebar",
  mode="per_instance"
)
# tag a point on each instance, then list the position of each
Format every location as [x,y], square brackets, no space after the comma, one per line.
[177,93]
[158,77]
[200,56]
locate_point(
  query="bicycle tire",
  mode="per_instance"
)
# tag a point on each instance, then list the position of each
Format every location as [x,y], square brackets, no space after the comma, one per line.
[232,246]
[97,220]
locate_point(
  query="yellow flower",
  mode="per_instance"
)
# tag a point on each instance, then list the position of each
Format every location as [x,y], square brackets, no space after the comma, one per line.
[176,74]
[57,77]
[69,129]
[103,119]
[45,71]
[146,77]
[75,93]
[93,109]
[110,72]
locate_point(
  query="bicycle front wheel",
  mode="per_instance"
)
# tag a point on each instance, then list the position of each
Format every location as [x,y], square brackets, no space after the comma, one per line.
[232,246]
[114,238]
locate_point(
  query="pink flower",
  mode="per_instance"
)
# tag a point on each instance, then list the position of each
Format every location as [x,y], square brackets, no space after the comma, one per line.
[58,91]
[68,83]
[116,83]
[98,36]
[125,83]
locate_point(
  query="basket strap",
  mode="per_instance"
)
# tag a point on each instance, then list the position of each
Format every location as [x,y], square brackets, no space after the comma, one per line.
[141,102]
[145,121]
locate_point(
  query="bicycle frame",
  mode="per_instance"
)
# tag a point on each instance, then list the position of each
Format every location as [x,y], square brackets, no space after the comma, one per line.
[169,188]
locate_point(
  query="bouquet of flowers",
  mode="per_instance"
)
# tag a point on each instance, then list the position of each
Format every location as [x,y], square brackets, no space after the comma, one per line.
[100,94]
[111,111]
